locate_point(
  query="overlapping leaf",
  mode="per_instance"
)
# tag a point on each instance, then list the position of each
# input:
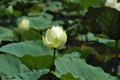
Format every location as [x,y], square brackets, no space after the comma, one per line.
[5,33]
[12,69]
[79,69]
[34,48]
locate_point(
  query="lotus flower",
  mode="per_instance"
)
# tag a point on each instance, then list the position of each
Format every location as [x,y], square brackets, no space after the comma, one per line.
[23,26]
[111,3]
[55,37]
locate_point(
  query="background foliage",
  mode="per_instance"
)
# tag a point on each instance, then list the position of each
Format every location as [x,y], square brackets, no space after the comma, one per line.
[89,53]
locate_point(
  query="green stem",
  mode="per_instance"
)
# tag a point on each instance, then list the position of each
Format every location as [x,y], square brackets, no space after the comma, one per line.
[116,58]
[52,68]
[20,37]
[54,56]
[86,37]
[116,45]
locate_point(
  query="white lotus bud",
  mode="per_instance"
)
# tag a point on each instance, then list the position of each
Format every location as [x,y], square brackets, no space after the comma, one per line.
[117,6]
[55,37]
[23,26]
[111,3]
[10,9]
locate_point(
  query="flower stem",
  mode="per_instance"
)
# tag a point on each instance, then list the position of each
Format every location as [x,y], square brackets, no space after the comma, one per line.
[116,56]
[52,68]
[20,37]
[116,44]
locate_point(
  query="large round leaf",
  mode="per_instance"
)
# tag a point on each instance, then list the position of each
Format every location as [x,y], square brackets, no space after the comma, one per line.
[79,69]
[37,62]
[34,48]
[11,66]
[5,33]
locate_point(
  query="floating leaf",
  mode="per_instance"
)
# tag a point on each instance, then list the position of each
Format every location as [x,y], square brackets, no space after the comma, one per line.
[34,48]
[79,69]
[30,75]
[31,35]
[5,33]
[12,69]
[11,65]
[68,76]
[37,62]
[55,6]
